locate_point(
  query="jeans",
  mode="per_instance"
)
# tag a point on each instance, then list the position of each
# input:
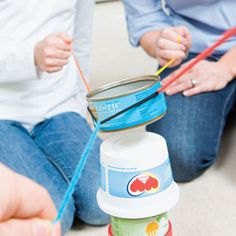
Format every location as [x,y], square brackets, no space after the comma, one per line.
[49,155]
[193,127]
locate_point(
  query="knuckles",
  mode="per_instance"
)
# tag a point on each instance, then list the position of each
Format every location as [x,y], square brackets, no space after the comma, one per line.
[47,61]
[165,32]
[47,51]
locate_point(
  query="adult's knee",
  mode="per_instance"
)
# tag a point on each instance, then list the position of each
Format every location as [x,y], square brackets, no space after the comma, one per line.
[184,172]
[189,161]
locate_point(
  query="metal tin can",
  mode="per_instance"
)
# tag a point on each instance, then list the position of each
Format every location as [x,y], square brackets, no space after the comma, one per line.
[114,97]
[151,226]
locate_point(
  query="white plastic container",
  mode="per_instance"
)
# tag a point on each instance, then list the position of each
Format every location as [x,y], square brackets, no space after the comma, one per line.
[136,176]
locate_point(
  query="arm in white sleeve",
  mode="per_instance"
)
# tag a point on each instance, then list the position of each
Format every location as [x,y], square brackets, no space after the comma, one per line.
[82,37]
[16,61]
[82,42]
[143,16]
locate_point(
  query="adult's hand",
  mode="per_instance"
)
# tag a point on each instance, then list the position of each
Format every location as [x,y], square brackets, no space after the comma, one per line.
[26,208]
[206,76]
[173,43]
[52,53]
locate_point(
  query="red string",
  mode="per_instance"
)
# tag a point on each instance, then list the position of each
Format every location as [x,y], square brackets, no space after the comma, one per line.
[207,52]
[81,73]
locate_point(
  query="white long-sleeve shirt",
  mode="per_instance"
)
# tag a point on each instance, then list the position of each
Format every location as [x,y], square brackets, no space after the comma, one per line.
[30,96]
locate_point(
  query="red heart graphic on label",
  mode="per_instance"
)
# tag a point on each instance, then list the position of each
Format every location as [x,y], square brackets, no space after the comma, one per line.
[148,185]
[151,183]
[137,185]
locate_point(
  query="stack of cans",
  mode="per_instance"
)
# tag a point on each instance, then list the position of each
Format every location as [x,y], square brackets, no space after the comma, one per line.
[137,186]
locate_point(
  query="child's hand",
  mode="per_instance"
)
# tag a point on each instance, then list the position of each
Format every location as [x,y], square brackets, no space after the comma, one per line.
[173,43]
[52,53]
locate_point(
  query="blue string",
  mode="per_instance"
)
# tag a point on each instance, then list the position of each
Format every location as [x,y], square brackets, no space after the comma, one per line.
[78,171]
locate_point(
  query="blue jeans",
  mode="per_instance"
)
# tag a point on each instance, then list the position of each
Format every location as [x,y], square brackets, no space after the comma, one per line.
[193,127]
[49,155]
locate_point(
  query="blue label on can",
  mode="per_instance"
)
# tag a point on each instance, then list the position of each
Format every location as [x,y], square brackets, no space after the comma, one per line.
[103,178]
[129,183]
[146,112]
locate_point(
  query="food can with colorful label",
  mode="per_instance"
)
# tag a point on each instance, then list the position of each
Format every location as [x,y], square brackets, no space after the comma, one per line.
[151,226]
[154,228]
[114,97]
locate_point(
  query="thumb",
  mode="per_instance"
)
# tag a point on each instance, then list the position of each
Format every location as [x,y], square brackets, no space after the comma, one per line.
[45,228]
[33,227]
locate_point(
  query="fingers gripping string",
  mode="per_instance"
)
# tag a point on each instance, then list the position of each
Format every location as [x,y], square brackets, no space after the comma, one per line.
[169,62]
[207,52]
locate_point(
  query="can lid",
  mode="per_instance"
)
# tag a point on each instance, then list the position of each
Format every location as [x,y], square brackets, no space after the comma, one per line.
[134,150]
[122,88]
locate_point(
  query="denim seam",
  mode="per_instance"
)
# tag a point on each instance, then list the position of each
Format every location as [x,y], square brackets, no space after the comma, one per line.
[59,169]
